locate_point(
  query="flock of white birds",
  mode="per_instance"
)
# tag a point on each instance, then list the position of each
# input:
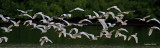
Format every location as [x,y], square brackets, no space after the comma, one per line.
[60,27]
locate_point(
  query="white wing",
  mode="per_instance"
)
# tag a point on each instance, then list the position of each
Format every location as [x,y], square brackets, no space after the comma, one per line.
[84,33]
[42,42]
[84,20]
[75,29]
[136,38]
[96,13]
[68,24]
[115,7]
[10,26]
[104,25]
[3,18]
[13,22]
[5,39]
[80,9]
[21,11]
[1,40]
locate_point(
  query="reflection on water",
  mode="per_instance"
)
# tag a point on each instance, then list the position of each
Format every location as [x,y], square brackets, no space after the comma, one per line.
[26,35]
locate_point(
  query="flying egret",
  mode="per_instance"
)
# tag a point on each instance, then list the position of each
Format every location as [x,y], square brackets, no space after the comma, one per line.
[44,21]
[118,31]
[68,24]
[134,36]
[49,18]
[26,15]
[74,37]
[106,33]
[80,25]
[5,19]
[122,35]
[104,25]
[7,29]
[79,9]
[153,19]
[109,13]
[16,23]
[85,20]
[27,21]
[144,18]
[42,30]
[62,32]
[124,22]
[39,13]
[24,12]
[102,12]
[97,15]
[127,12]
[111,25]
[91,17]
[118,19]
[115,7]
[44,39]
[66,15]
[151,29]
[3,38]
[79,35]
[73,29]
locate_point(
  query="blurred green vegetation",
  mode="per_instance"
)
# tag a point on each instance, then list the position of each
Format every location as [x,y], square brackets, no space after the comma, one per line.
[58,7]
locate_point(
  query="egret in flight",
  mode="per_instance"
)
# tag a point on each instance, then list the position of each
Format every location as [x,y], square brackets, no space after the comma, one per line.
[151,29]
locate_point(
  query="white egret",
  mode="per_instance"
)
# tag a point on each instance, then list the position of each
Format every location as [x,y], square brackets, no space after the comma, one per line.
[68,24]
[5,19]
[97,15]
[122,35]
[73,29]
[42,30]
[124,22]
[27,21]
[85,20]
[7,29]
[118,19]
[24,12]
[62,32]
[44,39]
[104,25]
[134,36]
[109,13]
[66,15]
[49,18]
[106,33]
[115,7]
[153,19]
[16,23]
[118,31]
[80,25]
[151,29]
[79,9]
[91,17]
[26,15]
[39,13]
[144,18]
[44,21]
[3,38]
[111,25]
[79,35]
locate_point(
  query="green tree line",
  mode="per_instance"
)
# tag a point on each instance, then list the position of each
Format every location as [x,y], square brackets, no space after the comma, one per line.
[58,7]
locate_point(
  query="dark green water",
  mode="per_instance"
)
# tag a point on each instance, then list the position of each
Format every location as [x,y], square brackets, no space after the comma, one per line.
[26,35]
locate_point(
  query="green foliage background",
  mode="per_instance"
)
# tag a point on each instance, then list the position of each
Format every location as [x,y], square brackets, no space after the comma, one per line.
[58,7]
